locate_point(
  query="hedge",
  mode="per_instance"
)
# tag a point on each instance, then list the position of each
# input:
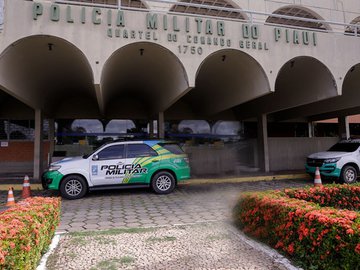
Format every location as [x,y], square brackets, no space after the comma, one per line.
[338,196]
[314,237]
[26,231]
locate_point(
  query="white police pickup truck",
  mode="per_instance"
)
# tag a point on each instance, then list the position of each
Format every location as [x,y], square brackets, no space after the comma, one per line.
[340,162]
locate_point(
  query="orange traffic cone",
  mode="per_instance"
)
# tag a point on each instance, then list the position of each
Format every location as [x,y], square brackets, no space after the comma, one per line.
[317,179]
[10,199]
[26,192]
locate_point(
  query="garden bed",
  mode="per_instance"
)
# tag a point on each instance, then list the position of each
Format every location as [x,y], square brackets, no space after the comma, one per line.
[319,228]
[26,231]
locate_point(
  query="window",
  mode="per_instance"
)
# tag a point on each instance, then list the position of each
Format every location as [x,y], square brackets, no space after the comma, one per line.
[345,147]
[112,152]
[139,150]
[173,148]
[296,13]
[207,8]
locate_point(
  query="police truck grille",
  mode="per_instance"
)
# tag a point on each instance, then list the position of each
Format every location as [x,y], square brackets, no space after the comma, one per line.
[314,162]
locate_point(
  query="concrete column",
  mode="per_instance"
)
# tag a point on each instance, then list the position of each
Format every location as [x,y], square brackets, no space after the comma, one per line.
[161,125]
[151,128]
[311,129]
[38,145]
[263,146]
[344,129]
[51,138]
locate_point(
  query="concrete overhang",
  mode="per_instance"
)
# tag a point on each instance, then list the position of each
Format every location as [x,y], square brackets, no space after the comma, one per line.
[50,74]
[225,79]
[345,104]
[143,77]
[302,80]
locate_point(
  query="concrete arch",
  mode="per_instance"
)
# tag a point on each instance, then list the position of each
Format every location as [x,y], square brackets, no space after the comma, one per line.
[124,3]
[301,80]
[351,83]
[227,78]
[351,29]
[309,78]
[356,20]
[49,73]
[194,127]
[207,11]
[143,4]
[141,79]
[307,11]
[341,105]
[119,126]
[226,127]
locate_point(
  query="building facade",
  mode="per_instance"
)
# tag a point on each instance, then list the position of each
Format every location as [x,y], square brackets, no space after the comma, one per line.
[255,63]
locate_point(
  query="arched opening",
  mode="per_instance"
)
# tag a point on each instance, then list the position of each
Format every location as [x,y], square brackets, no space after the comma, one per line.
[227,128]
[124,3]
[355,28]
[194,127]
[351,85]
[305,78]
[344,104]
[51,74]
[140,80]
[225,79]
[302,80]
[119,126]
[210,8]
[297,13]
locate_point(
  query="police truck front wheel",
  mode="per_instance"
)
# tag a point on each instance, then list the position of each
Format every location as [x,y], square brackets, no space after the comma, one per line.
[348,174]
[163,183]
[73,187]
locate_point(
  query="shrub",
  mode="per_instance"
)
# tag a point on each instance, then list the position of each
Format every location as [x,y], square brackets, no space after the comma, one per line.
[337,196]
[26,231]
[314,237]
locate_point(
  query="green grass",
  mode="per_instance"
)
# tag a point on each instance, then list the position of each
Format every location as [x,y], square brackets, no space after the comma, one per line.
[53,258]
[104,241]
[72,255]
[112,232]
[161,239]
[127,259]
[113,264]
[218,237]
[79,241]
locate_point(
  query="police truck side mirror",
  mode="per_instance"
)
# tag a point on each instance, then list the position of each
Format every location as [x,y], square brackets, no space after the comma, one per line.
[95,157]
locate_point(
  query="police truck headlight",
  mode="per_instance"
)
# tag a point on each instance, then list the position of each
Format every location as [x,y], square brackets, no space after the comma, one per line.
[54,168]
[331,160]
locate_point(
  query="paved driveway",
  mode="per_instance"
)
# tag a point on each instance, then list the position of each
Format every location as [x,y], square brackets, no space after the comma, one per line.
[141,208]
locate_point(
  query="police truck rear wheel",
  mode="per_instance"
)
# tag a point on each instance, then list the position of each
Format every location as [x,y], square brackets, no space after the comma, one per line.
[163,183]
[73,187]
[349,175]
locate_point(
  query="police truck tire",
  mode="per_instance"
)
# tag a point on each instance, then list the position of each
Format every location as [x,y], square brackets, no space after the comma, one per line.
[73,187]
[348,175]
[163,182]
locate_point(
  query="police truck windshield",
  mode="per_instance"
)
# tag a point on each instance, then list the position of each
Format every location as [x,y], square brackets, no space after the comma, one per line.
[344,147]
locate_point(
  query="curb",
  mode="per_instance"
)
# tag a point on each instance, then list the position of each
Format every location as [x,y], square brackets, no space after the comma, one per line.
[54,243]
[232,180]
[246,179]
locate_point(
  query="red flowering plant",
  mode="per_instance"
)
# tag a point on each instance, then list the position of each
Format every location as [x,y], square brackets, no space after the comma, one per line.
[337,196]
[314,237]
[26,231]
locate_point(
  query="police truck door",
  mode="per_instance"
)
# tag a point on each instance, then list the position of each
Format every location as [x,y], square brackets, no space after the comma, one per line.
[107,166]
